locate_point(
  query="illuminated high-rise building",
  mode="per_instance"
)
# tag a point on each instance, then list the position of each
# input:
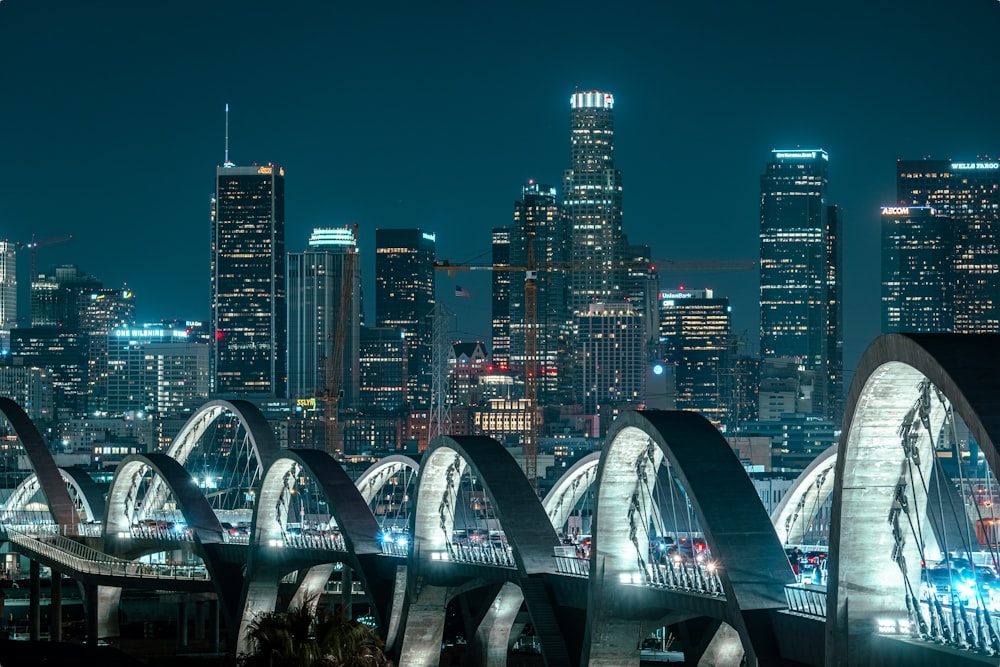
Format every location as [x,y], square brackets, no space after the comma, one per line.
[641,287]
[382,388]
[56,297]
[694,333]
[404,300]
[8,291]
[63,352]
[315,289]
[800,281]
[538,221]
[501,298]
[967,193]
[611,352]
[592,202]
[917,289]
[156,369]
[100,312]
[248,325]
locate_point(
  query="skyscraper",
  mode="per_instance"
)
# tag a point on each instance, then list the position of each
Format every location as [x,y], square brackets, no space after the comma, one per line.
[55,298]
[799,270]
[610,359]
[501,281]
[101,312]
[63,352]
[8,291]
[404,299]
[592,202]
[969,194]
[248,326]
[539,222]
[695,330]
[833,399]
[315,292]
[917,250]
[382,388]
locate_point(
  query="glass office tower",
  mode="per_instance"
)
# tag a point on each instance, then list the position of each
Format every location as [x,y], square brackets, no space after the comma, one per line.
[248,326]
[592,202]
[800,272]
[404,300]
[969,194]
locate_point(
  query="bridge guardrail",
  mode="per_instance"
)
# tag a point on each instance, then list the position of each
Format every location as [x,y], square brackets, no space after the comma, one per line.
[87,560]
[807,599]
[703,579]
[577,567]
[463,553]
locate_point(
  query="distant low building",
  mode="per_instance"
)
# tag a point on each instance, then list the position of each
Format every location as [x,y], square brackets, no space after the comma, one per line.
[754,452]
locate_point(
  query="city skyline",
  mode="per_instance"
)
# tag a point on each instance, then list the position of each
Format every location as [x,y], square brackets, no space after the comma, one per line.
[426,119]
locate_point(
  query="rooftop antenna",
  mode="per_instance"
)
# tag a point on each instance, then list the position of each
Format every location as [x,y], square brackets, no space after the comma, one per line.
[227,163]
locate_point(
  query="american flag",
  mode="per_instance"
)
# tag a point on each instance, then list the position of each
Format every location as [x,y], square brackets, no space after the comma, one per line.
[461,292]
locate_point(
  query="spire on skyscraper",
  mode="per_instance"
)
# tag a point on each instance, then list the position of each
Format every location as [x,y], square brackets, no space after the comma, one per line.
[227,163]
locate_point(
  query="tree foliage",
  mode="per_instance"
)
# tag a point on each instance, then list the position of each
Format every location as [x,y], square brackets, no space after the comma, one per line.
[302,637]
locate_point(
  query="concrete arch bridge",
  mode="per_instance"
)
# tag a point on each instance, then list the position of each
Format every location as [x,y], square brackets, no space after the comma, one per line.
[677,536]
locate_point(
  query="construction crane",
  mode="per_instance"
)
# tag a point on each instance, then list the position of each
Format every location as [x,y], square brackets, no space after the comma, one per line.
[34,245]
[531,320]
[331,394]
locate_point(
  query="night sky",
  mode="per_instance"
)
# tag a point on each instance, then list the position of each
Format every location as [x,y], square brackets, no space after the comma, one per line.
[433,115]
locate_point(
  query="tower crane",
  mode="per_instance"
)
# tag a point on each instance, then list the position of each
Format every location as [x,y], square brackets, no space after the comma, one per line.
[531,321]
[34,245]
[334,367]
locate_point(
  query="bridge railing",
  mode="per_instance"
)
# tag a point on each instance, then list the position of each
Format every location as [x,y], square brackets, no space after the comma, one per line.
[336,587]
[577,567]
[329,541]
[702,579]
[71,530]
[481,555]
[807,599]
[83,559]
[160,533]
[395,549]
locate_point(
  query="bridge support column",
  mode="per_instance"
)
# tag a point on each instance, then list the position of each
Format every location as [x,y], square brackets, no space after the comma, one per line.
[261,597]
[347,591]
[492,639]
[92,612]
[424,628]
[213,617]
[182,624]
[396,611]
[611,639]
[34,603]
[106,599]
[55,608]
[311,587]
[710,642]
[199,619]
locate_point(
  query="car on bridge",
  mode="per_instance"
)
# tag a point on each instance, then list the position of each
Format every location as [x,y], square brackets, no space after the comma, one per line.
[688,551]
[945,584]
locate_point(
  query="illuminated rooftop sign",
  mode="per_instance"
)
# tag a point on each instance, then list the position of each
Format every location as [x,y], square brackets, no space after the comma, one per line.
[668,298]
[342,236]
[151,333]
[592,99]
[800,155]
[975,165]
[429,237]
[907,210]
